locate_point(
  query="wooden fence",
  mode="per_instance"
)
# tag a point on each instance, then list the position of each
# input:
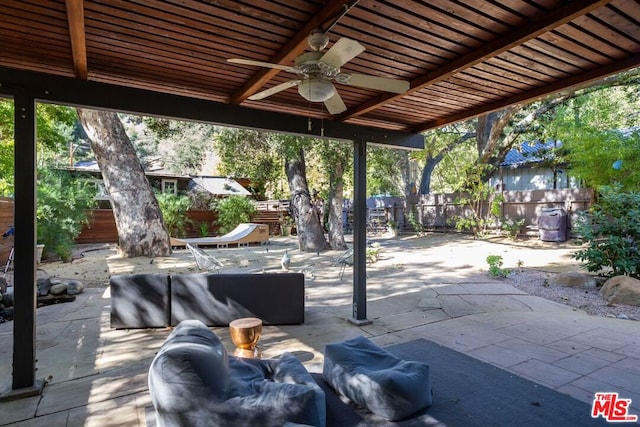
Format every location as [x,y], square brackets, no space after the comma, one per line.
[435,211]
[102,226]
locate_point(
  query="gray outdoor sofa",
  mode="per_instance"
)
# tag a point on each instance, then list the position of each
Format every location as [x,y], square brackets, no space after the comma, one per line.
[161,300]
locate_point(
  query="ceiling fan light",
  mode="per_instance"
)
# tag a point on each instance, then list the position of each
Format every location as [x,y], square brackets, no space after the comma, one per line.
[316,90]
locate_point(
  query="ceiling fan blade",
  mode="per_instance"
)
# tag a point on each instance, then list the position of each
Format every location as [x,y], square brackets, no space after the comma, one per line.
[342,51]
[335,104]
[273,90]
[373,82]
[261,64]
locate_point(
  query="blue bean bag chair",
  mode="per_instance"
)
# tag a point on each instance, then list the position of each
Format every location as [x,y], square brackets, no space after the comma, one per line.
[193,382]
[377,380]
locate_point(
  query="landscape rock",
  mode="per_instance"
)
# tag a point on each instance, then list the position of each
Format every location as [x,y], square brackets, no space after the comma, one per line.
[6,314]
[575,279]
[58,289]
[622,290]
[7,297]
[75,287]
[44,285]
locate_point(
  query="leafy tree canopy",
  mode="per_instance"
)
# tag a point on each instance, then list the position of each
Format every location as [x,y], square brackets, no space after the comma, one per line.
[600,131]
[55,126]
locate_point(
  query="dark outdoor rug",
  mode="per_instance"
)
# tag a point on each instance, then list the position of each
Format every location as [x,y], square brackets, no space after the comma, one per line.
[468,392]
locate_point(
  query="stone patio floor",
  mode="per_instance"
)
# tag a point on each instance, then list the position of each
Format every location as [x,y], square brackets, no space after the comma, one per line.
[431,287]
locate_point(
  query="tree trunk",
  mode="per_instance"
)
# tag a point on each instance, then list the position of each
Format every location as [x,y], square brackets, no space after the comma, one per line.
[310,232]
[336,198]
[427,171]
[141,230]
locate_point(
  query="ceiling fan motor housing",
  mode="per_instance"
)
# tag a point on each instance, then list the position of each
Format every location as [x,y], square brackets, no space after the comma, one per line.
[309,65]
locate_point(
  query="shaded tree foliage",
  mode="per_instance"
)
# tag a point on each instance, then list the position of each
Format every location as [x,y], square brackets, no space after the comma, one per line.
[254,155]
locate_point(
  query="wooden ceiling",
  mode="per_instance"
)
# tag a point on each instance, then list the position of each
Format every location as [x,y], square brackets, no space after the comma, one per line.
[462,57]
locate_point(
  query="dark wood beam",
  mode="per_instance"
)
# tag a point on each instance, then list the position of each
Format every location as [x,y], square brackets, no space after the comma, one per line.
[75,20]
[70,91]
[529,96]
[517,37]
[24,320]
[293,48]
[359,307]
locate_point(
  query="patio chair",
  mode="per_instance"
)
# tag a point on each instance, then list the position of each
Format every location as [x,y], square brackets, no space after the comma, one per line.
[204,260]
[343,260]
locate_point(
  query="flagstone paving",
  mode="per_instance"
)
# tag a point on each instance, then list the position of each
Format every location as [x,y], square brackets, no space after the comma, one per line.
[97,376]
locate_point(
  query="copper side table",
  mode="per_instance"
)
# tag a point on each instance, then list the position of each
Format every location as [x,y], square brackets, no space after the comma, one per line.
[245,334]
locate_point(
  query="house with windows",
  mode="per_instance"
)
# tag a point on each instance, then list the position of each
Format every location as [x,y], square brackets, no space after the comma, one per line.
[533,165]
[164,181]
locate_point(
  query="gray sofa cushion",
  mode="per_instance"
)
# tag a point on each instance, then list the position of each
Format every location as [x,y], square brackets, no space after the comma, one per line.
[377,380]
[218,299]
[140,301]
[193,382]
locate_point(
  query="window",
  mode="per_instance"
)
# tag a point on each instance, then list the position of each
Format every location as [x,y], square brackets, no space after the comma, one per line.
[170,186]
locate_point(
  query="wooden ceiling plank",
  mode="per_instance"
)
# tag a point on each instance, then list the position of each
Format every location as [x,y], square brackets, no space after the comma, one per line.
[629,8]
[626,25]
[293,48]
[576,80]
[548,50]
[587,57]
[613,36]
[169,26]
[543,61]
[75,19]
[189,46]
[522,67]
[599,46]
[520,35]
[18,31]
[403,32]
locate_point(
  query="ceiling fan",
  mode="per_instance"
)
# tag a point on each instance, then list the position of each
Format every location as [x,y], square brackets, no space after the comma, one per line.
[316,69]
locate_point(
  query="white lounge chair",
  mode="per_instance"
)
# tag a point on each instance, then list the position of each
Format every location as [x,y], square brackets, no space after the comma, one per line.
[343,260]
[205,261]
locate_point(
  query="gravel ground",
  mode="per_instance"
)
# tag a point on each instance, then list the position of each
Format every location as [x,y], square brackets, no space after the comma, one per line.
[534,282]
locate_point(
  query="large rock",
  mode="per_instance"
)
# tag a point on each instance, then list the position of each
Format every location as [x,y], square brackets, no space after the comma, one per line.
[44,285]
[74,287]
[622,290]
[7,297]
[574,280]
[58,289]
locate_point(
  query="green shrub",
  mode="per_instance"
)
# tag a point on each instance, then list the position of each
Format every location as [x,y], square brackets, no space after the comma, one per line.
[611,231]
[413,220]
[174,212]
[512,227]
[477,216]
[495,266]
[232,211]
[62,211]
[204,229]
